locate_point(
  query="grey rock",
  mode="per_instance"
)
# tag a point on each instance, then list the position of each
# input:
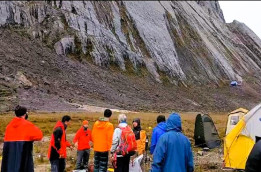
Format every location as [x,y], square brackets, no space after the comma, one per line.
[65,46]
[22,79]
[187,42]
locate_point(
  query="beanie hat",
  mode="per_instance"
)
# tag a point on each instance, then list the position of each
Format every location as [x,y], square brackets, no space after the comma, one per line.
[20,111]
[85,122]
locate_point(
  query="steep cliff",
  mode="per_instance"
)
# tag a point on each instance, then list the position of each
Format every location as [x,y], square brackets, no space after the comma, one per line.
[186,43]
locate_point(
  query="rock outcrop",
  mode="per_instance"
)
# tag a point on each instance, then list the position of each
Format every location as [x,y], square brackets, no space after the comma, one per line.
[186,43]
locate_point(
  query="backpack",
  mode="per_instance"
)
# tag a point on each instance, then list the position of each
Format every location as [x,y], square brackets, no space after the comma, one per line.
[128,143]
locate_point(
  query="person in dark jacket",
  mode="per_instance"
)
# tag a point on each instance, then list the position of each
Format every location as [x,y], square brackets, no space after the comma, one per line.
[157,132]
[58,143]
[140,136]
[18,143]
[173,150]
[253,163]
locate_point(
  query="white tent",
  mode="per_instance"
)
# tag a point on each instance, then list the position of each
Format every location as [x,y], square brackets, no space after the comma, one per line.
[253,123]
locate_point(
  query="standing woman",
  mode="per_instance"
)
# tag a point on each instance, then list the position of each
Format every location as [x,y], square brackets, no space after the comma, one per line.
[140,136]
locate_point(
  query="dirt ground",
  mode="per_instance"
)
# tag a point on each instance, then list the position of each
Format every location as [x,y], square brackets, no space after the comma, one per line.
[209,161]
[33,75]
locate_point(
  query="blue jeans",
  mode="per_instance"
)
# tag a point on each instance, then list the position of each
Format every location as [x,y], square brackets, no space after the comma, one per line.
[58,165]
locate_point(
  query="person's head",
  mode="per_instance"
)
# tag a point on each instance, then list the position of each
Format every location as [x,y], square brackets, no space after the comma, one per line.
[122,118]
[161,118]
[136,122]
[107,113]
[66,120]
[21,111]
[174,123]
[85,124]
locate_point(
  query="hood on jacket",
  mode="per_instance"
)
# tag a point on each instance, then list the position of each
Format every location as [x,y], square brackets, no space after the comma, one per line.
[138,127]
[123,124]
[174,122]
[162,126]
[102,123]
[16,122]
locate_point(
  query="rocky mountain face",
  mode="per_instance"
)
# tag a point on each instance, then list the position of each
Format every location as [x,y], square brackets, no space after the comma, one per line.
[184,43]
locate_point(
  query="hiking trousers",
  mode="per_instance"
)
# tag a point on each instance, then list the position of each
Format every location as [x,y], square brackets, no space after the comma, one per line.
[82,159]
[122,164]
[100,161]
[58,165]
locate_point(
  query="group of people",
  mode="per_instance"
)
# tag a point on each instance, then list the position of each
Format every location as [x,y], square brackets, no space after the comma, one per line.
[170,148]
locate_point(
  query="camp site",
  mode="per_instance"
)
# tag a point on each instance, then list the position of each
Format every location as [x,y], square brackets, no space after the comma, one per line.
[212,147]
[130,86]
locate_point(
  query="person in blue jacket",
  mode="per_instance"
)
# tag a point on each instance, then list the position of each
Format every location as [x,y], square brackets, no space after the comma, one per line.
[173,151]
[157,132]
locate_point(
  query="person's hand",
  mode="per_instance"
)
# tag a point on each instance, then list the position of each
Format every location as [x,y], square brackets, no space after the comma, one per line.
[76,145]
[112,157]
[71,147]
[132,158]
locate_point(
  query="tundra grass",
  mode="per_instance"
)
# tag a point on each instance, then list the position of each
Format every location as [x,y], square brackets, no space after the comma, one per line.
[46,121]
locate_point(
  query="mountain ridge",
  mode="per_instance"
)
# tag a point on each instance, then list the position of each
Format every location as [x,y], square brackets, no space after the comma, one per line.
[186,44]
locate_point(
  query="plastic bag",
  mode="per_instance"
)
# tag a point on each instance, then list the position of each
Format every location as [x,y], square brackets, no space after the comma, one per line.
[135,164]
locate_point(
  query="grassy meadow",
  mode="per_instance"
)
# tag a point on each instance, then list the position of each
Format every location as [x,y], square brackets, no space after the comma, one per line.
[46,122]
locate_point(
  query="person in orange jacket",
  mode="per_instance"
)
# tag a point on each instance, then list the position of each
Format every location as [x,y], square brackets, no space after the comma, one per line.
[140,136]
[82,141]
[102,133]
[58,143]
[18,143]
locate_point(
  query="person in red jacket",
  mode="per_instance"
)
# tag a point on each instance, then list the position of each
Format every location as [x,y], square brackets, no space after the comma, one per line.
[58,144]
[82,142]
[18,143]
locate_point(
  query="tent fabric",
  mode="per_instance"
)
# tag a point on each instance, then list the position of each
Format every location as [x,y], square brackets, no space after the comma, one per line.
[240,140]
[237,147]
[233,83]
[205,132]
[253,124]
[234,117]
[239,110]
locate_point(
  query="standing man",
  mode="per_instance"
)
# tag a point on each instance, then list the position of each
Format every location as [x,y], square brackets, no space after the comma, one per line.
[58,144]
[102,133]
[157,132]
[173,151]
[18,143]
[82,142]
